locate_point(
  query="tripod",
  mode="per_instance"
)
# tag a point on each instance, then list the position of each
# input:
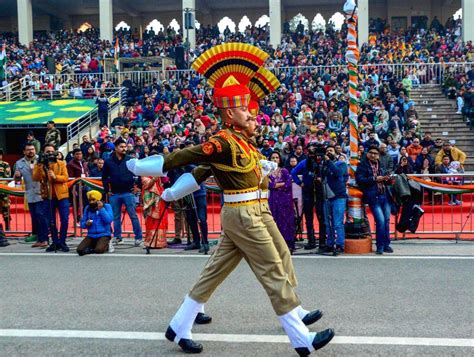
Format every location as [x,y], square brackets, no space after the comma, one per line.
[298,221]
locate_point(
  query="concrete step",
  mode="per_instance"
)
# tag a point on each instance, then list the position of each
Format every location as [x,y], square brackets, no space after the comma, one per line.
[443,121]
[420,106]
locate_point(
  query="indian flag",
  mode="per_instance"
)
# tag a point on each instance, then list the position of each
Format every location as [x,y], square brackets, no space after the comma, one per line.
[3,62]
[116,55]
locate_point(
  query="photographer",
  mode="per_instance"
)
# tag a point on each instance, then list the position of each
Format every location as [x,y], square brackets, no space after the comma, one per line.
[373,180]
[96,219]
[311,190]
[334,177]
[52,175]
[36,204]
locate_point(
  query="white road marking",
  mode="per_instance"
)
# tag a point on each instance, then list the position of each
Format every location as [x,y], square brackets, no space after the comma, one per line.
[158,336]
[201,256]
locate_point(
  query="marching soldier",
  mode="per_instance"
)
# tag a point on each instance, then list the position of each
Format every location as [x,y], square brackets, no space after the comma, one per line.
[235,164]
[5,172]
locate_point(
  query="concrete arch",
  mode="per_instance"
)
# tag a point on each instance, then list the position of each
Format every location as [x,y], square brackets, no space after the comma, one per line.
[122,25]
[174,24]
[263,21]
[84,27]
[226,22]
[244,23]
[294,22]
[156,25]
[337,19]
[318,23]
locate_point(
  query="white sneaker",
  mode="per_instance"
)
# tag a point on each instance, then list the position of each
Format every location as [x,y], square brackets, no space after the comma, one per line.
[117,241]
[139,243]
[111,247]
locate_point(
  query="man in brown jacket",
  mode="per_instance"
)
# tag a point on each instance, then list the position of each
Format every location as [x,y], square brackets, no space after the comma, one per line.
[53,179]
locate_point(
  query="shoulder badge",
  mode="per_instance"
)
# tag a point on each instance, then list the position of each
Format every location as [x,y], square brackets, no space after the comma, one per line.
[217,144]
[208,148]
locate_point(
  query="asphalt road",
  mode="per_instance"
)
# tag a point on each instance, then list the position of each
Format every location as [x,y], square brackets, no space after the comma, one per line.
[413,298]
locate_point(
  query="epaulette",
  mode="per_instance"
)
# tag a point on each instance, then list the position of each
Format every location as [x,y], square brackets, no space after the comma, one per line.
[223,134]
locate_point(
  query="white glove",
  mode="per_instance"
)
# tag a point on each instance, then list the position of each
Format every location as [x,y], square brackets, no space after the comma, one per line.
[349,6]
[184,185]
[167,195]
[268,167]
[150,166]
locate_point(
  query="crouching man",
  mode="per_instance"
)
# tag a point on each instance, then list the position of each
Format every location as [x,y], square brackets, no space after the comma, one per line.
[96,219]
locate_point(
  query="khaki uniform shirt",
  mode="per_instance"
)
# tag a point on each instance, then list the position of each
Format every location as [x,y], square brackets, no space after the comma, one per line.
[233,160]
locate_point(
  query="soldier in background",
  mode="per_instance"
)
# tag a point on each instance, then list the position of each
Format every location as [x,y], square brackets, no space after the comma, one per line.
[53,135]
[5,172]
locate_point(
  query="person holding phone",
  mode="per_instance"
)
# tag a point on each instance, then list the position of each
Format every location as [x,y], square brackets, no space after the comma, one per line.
[373,181]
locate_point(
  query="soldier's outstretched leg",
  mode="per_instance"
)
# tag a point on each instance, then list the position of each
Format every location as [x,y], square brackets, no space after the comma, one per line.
[244,225]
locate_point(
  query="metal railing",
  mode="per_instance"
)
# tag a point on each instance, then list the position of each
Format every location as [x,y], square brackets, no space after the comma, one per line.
[440,219]
[421,72]
[34,94]
[10,91]
[87,121]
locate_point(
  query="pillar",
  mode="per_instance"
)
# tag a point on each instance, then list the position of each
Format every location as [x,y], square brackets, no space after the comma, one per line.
[106,20]
[363,26]
[25,22]
[189,35]
[467,24]
[275,22]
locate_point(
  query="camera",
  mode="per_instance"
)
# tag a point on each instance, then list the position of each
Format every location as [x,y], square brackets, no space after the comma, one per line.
[317,151]
[47,159]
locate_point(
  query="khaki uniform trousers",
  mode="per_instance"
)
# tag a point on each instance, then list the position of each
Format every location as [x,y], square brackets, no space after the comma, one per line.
[251,233]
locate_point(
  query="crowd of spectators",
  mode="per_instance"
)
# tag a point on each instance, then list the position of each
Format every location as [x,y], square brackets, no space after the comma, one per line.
[83,52]
[310,107]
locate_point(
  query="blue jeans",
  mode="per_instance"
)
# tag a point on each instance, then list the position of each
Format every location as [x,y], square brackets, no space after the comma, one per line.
[127,199]
[380,208]
[334,211]
[62,206]
[201,207]
[39,212]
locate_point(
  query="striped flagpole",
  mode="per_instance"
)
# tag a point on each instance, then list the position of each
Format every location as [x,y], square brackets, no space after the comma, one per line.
[355,224]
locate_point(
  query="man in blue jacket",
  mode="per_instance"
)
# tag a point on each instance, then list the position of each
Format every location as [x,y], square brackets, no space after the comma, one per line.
[372,180]
[96,219]
[119,184]
[312,195]
[334,177]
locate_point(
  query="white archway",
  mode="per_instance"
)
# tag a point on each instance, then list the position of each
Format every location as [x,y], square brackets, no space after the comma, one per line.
[244,23]
[122,25]
[84,27]
[174,24]
[338,20]
[156,26]
[458,15]
[226,22]
[294,22]
[263,21]
[318,23]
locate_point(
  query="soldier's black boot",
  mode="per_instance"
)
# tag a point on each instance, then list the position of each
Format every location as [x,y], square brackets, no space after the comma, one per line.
[320,340]
[311,317]
[187,345]
[203,319]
